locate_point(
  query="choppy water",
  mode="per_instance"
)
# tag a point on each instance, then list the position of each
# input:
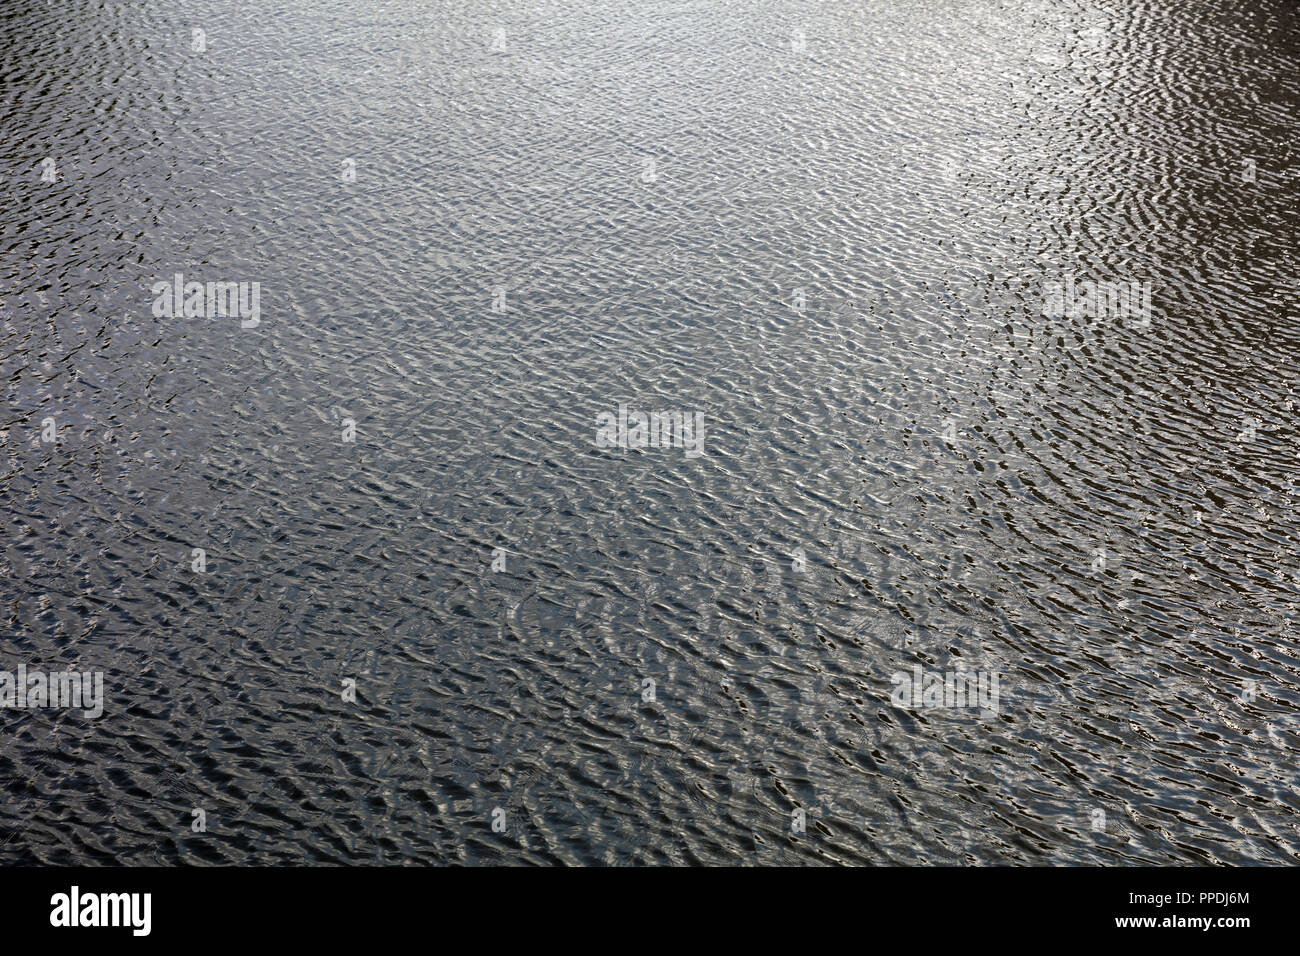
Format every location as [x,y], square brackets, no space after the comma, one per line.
[827,228]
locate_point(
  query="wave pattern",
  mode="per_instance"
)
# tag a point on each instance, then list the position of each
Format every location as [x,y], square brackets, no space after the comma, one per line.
[826,228]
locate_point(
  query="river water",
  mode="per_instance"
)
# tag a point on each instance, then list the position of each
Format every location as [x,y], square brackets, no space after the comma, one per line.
[367,581]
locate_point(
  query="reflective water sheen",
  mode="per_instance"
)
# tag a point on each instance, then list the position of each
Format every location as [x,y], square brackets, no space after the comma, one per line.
[828,229]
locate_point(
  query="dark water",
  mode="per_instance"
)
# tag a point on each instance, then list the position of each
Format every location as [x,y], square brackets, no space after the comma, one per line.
[825,227]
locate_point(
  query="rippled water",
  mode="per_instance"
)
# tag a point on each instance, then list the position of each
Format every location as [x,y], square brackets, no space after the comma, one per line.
[825,227]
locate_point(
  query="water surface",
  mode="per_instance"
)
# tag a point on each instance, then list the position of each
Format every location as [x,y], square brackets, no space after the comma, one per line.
[825,227]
